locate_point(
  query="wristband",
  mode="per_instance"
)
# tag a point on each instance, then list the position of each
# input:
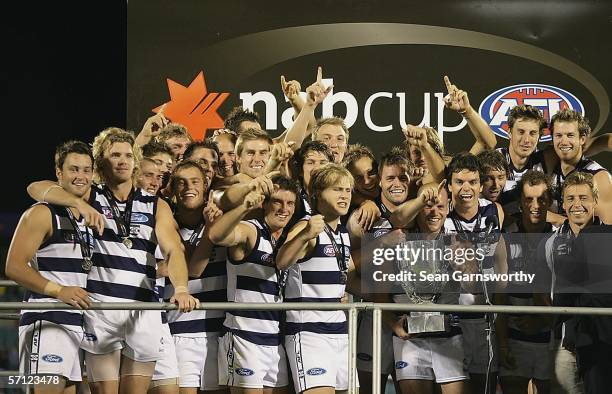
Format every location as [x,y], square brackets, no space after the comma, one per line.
[52,289]
[180,289]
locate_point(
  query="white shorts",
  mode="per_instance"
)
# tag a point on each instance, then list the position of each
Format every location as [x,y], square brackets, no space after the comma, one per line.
[475,346]
[138,333]
[318,360]
[246,364]
[197,361]
[364,345]
[49,348]
[439,359]
[167,366]
[533,360]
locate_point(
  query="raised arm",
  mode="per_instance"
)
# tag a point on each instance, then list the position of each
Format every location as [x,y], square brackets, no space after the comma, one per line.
[300,240]
[33,229]
[458,101]
[417,136]
[279,157]
[315,94]
[405,214]
[228,230]
[167,232]
[201,255]
[152,127]
[235,194]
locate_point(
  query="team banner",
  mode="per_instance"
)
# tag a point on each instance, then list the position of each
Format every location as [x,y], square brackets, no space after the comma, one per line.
[385,59]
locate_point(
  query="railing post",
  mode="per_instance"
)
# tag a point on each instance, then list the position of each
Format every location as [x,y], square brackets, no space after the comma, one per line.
[352,354]
[376,338]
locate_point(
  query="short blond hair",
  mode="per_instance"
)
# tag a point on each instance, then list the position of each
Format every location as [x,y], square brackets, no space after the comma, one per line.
[333,121]
[581,178]
[102,144]
[325,177]
[251,135]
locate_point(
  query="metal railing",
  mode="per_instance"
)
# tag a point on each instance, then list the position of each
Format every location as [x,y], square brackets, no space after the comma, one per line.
[352,309]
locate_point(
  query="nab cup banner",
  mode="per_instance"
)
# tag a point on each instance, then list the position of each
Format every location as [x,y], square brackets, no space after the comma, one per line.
[386,60]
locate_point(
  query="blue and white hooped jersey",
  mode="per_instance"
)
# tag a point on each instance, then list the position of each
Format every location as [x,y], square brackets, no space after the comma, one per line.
[534,162]
[510,196]
[454,223]
[211,286]
[522,257]
[558,179]
[254,279]
[119,273]
[317,278]
[60,260]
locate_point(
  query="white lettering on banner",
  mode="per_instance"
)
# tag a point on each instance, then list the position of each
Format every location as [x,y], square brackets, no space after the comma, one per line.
[249,99]
[366,112]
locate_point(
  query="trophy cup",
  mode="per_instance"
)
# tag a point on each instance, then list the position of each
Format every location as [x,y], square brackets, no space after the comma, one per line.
[421,291]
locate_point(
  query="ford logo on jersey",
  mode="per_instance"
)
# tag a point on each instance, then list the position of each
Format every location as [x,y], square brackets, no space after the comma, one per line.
[401,364]
[316,371]
[329,250]
[548,99]
[244,371]
[139,218]
[52,358]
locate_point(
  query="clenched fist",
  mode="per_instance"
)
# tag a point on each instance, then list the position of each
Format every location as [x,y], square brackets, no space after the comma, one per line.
[315,226]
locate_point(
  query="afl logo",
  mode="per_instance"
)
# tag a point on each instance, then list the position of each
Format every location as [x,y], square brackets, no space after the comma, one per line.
[548,99]
[329,250]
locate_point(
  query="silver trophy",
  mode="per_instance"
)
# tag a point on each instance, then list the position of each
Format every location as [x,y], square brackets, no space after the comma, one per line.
[428,259]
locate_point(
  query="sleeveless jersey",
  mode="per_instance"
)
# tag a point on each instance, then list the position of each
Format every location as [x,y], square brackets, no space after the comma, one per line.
[521,248]
[317,278]
[59,259]
[534,162]
[254,279]
[510,196]
[558,179]
[209,287]
[454,223]
[119,273]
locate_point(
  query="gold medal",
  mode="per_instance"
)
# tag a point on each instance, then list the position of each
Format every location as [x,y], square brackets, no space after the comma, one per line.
[127,242]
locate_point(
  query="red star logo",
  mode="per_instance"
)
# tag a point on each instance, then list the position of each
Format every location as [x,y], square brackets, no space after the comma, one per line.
[193,106]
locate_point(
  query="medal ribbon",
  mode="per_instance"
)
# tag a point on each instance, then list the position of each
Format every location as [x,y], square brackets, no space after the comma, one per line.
[86,251]
[122,220]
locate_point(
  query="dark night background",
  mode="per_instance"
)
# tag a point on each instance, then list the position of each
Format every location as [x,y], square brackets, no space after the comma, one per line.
[64,77]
